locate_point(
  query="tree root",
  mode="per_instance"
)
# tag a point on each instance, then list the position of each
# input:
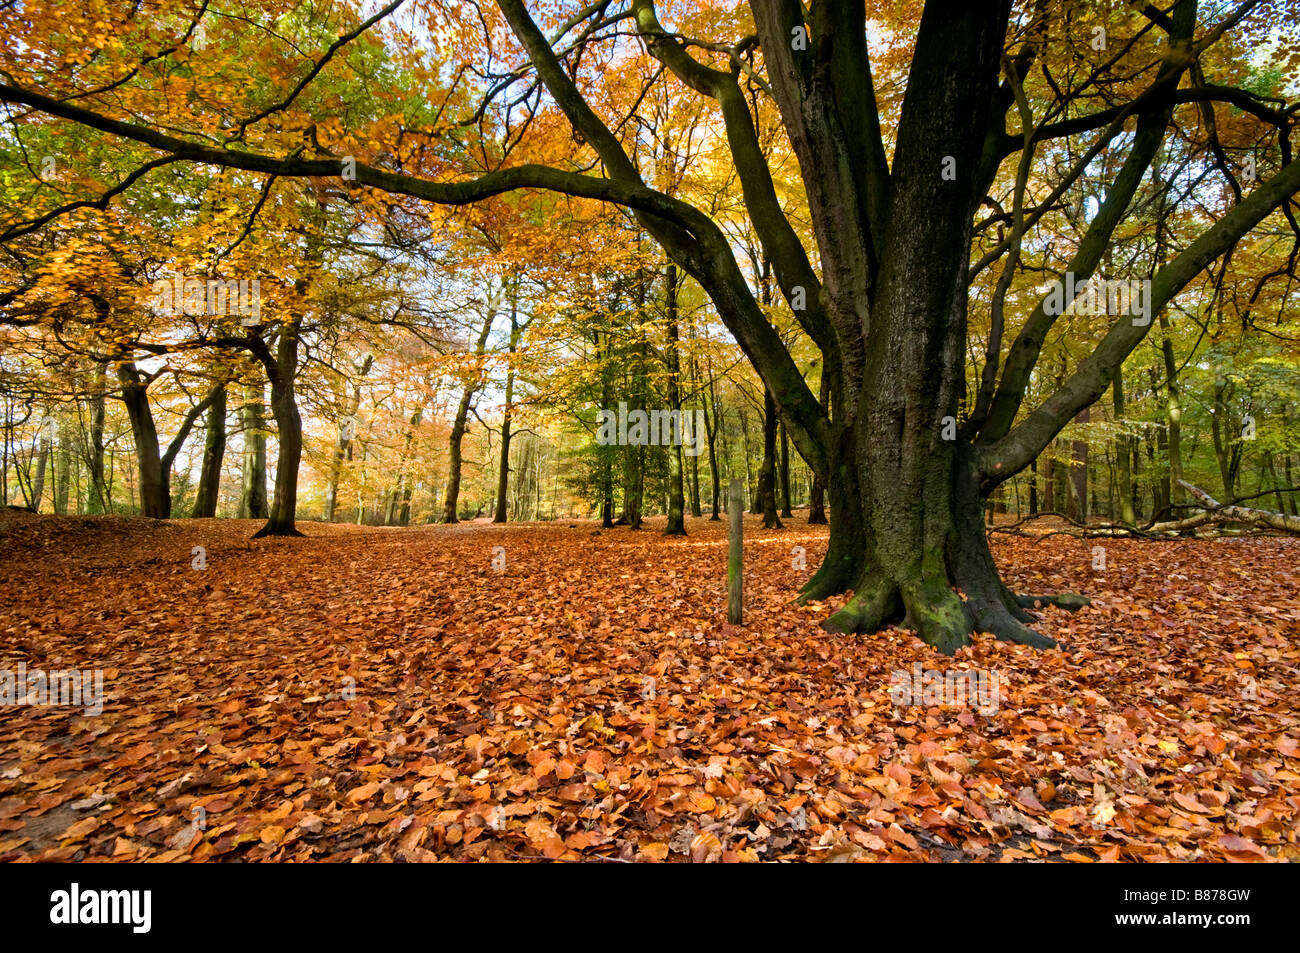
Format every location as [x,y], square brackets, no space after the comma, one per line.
[937,615]
[830,579]
[1062,600]
[999,622]
[874,604]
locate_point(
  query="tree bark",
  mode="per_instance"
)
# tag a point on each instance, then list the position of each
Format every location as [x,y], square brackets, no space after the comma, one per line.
[1123,455]
[282,371]
[817,492]
[711,433]
[62,481]
[99,502]
[343,441]
[155,494]
[42,462]
[214,452]
[452,501]
[766,497]
[252,500]
[783,473]
[503,470]
[1077,501]
[1174,411]
[676,486]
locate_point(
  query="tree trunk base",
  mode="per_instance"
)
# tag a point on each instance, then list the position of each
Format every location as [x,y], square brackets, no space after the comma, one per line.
[936,613]
[276,529]
[950,593]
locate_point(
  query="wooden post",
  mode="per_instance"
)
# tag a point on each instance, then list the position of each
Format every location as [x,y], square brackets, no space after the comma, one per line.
[735,560]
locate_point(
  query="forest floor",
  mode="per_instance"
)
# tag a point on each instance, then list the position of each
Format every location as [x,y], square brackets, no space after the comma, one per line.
[374,694]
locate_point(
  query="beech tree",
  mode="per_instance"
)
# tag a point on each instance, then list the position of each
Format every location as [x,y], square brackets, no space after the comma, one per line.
[886,281]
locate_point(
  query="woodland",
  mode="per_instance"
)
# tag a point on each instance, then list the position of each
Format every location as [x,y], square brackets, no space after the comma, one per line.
[388,386]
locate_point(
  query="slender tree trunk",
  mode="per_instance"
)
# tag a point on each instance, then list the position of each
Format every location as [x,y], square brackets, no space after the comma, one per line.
[42,461]
[452,502]
[155,494]
[1123,455]
[214,453]
[817,492]
[155,467]
[284,407]
[399,504]
[1033,488]
[676,490]
[1226,448]
[1077,485]
[1049,481]
[783,473]
[252,500]
[62,481]
[503,470]
[1174,409]
[634,497]
[766,496]
[95,459]
[751,488]
[1294,495]
[694,485]
[1162,489]
[1136,452]
[711,433]
[346,434]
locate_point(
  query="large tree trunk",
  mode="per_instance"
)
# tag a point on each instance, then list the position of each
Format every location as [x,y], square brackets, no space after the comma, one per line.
[214,452]
[906,498]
